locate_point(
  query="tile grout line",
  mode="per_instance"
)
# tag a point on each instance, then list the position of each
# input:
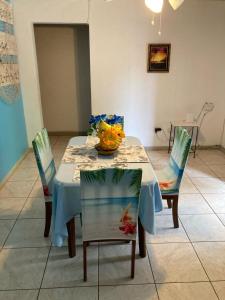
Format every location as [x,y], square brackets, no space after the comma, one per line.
[206,199]
[39,290]
[192,245]
[153,276]
[17,218]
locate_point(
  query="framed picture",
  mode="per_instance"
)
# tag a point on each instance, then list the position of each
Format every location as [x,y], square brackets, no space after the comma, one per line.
[159,57]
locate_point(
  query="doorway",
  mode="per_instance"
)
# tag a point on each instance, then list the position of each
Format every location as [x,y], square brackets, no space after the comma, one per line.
[63,58]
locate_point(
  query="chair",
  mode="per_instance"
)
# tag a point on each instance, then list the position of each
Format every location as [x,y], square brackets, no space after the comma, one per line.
[110,119]
[47,171]
[110,200]
[170,177]
[192,126]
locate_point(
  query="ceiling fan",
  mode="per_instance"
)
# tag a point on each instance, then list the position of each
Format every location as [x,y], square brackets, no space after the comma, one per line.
[157,5]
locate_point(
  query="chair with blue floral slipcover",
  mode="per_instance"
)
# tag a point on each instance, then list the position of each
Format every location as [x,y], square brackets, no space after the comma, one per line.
[110,201]
[170,177]
[110,119]
[47,171]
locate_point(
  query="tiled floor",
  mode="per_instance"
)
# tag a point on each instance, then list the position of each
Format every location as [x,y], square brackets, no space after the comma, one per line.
[185,263]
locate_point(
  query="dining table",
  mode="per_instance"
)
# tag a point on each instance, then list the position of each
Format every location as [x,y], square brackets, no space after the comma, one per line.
[81,154]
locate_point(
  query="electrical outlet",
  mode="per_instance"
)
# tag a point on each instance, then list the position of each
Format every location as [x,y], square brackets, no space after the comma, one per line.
[157,129]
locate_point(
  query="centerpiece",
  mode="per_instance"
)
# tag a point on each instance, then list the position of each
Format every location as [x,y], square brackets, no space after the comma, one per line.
[109,130]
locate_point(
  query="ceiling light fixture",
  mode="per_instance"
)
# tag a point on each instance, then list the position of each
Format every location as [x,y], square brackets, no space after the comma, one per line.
[156,6]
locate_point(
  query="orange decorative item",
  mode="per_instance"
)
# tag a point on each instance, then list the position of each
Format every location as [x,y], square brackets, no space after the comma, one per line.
[110,138]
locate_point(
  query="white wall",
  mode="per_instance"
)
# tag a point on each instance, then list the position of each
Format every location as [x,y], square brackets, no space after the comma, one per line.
[119,34]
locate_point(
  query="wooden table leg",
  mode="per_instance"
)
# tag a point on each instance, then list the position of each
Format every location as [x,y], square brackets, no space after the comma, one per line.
[142,242]
[71,237]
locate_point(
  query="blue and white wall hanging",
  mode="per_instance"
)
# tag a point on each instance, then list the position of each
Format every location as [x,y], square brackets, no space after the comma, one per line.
[9,69]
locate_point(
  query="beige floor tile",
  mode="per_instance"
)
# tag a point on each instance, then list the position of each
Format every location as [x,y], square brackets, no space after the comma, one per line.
[24,174]
[11,207]
[216,201]
[165,232]
[212,256]
[209,185]
[62,141]
[187,187]
[219,286]
[114,266]
[203,227]
[58,153]
[135,292]
[28,233]
[29,161]
[22,268]
[212,157]
[175,262]
[63,271]
[37,191]
[219,170]
[19,295]
[193,204]
[33,208]
[5,227]
[78,293]
[186,291]
[194,162]
[199,171]
[53,139]
[16,189]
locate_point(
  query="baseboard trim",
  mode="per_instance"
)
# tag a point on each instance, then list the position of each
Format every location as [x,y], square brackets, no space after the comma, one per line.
[212,147]
[67,133]
[4,180]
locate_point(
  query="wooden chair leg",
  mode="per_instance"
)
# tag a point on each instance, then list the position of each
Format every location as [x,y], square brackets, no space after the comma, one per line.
[85,244]
[133,258]
[71,237]
[169,204]
[142,242]
[48,217]
[175,212]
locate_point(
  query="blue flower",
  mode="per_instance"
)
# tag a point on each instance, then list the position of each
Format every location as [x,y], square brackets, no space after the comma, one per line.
[114,119]
[96,119]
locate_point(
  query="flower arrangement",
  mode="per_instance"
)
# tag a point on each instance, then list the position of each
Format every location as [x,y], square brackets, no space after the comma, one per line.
[110,136]
[109,119]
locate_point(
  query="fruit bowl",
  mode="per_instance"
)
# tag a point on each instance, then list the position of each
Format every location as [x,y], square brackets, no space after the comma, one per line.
[104,151]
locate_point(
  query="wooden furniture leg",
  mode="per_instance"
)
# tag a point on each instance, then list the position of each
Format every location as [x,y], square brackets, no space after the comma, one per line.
[142,242]
[71,237]
[133,258]
[174,199]
[48,217]
[85,244]
[169,203]
[175,211]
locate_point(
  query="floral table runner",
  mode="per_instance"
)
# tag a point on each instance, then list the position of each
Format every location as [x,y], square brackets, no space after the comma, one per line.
[88,154]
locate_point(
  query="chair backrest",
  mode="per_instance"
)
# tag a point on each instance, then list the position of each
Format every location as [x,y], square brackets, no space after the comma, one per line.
[179,154]
[110,119]
[110,201]
[44,158]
